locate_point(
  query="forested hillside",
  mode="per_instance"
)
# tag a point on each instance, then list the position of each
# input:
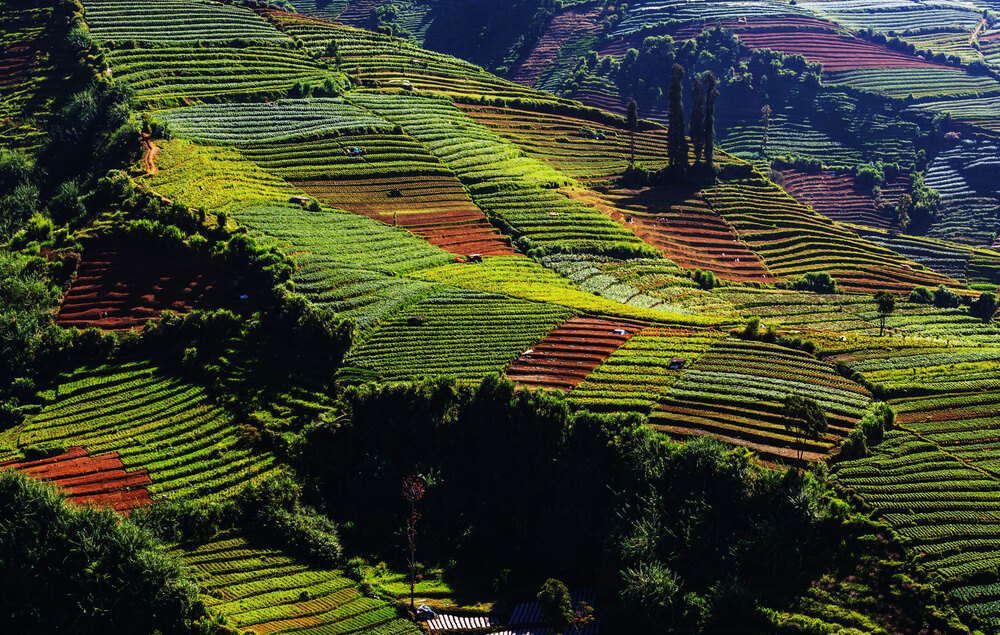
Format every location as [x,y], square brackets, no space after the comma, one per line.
[312,313]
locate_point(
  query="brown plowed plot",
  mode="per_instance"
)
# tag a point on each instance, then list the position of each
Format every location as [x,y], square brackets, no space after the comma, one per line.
[836,52]
[563,28]
[569,353]
[96,480]
[435,208]
[687,231]
[16,64]
[121,284]
[837,196]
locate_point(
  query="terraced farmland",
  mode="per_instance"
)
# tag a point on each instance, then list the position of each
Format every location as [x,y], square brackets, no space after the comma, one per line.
[586,151]
[167,76]
[965,176]
[734,392]
[649,12]
[569,353]
[896,15]
[26,36]
[836,52]
[571,33]
[838,196]
[263,589]
[467,334]
[346,261]
[918,82]
[638,374]
[934,479]
[683,226]
[789,243]
[172,21]
[136,411]
[101,481]
[511,188]
[122,284]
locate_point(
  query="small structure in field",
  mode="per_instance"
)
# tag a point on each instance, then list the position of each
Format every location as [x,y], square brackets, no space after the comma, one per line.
[677,363]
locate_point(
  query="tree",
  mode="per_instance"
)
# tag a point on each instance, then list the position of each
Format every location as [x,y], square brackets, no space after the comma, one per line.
[633,123]
[803,417]
[583,615]
[886,305]
[698,119]
[677,148]
[556,605]
[413,490]
[984,306]
[765,121]
[711,94]
[902,215]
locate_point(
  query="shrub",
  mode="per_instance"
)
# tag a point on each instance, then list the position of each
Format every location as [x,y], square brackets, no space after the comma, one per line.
[984,306]
[922,295]
[816,282]
[556,605]
[945,298]
[705,279]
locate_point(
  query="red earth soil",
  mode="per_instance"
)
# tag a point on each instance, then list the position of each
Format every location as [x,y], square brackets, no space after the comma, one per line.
[96,480]
[17,63]
[121,284]
[837,196]
[835,52]
[437,210]
[687,231]
[569,353]
[562,28]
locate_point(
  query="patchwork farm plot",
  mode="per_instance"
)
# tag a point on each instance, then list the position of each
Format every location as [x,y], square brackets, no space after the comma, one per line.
[373,59]
[835,51]
[349,159]
[467,334]
[838,196]
[589,152]
[734,392]
[789,244]
[346,261]
[570,34]
[569,353]
[684,227]
[511,188]
[136,411]
[122,284]
[637,283]
[101,481]
[934,479]
[640,372]
[263,589]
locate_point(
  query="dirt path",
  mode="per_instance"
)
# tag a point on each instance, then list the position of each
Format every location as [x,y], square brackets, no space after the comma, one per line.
[149,153]
[979,28]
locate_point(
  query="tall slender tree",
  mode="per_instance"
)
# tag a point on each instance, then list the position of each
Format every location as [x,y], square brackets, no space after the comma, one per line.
[678,146]
[711,94]
[698,119]
[633,123]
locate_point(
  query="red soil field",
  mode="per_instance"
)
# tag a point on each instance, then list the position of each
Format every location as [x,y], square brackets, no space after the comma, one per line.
[686,230]
[122,283]
[564,26]
[95,480]
[17,63]
[569,353]
[435,208]
[835,195]
[835,52]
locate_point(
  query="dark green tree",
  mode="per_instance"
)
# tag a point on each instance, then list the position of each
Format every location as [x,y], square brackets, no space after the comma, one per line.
[984,306]
[803,417]
[886,305]
[698,119]
[711,94]
[633,123]
[556,605]
[678,147]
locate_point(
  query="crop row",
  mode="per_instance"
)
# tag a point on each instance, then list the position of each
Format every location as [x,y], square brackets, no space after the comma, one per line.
[918,82]
[173,21]
[503,182]
[152,421]
[272,121]
[463,333]
[167,76]
[259,587]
